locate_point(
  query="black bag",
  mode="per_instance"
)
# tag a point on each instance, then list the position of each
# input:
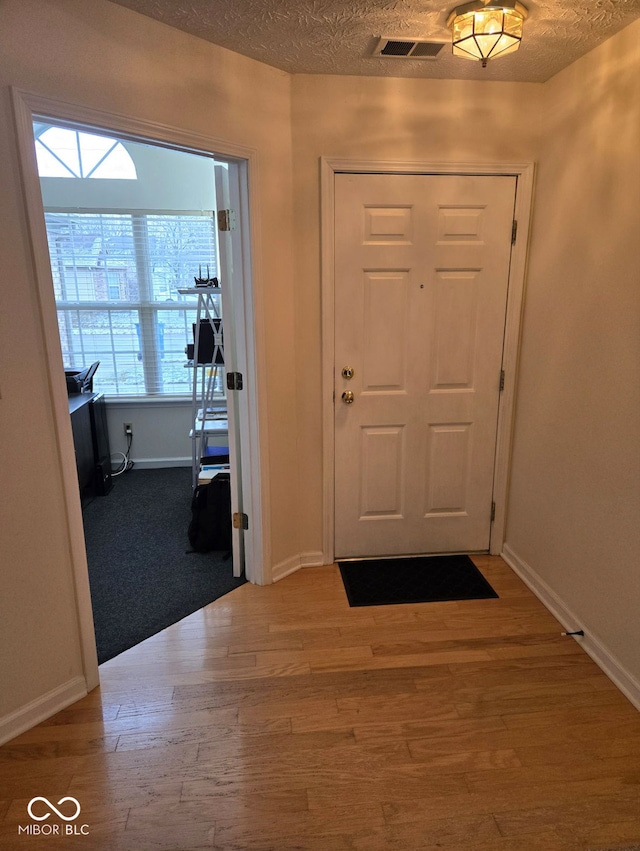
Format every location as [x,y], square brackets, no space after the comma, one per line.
[210,526]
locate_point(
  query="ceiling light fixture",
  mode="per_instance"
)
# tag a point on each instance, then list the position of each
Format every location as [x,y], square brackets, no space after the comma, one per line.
[483,30]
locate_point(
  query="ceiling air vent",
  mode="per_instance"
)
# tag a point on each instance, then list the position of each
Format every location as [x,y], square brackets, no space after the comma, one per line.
[408,48]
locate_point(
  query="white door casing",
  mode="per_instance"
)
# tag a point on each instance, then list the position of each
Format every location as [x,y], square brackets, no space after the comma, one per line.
[224,175]
[248,337]
[421,276]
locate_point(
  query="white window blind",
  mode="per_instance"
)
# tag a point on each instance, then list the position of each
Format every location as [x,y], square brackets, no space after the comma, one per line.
[116,279]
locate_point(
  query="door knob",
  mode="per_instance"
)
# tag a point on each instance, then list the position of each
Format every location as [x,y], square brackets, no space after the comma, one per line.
[347,372]
[348,398]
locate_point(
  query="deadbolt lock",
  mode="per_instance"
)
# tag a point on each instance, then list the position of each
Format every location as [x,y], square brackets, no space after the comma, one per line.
[348,398]
[347,372]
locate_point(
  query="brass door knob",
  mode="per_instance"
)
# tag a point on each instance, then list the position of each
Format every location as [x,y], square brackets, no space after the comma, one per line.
[347,372]
[348,398]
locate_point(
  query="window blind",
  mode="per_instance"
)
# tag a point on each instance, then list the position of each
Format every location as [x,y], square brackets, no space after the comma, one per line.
[116,278]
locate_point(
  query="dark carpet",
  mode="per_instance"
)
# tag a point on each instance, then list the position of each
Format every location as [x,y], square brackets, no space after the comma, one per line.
[142,576]
[428,579]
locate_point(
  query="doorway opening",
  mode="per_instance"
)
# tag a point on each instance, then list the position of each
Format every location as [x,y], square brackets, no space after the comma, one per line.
[244,410]
[132,232]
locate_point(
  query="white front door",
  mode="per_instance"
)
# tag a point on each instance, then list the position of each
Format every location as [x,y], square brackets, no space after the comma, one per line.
[421,276]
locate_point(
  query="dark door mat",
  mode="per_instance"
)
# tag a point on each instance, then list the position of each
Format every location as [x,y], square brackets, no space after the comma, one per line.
[427,579]
[617,848]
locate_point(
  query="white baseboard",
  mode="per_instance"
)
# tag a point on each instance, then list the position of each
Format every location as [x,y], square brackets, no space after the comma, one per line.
[290,565]
[41,708]
[285,568]
[590,642]
[158,463]
[314,559]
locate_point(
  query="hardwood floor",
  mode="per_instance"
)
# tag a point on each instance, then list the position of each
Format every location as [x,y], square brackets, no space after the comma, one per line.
[278,719]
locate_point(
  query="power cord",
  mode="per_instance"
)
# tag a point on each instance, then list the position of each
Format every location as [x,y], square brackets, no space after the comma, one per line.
[126,464]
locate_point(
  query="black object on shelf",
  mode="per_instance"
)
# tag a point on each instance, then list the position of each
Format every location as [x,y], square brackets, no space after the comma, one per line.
[210,342]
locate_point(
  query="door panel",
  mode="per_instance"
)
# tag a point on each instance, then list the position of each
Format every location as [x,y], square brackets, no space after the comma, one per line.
[447,469]
[385,318]
[454,330]
[381,483]
[422,265]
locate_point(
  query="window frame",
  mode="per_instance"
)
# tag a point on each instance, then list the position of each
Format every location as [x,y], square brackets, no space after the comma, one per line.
[148,309]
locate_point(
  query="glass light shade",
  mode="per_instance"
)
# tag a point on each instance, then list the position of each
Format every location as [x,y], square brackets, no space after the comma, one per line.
[482,31]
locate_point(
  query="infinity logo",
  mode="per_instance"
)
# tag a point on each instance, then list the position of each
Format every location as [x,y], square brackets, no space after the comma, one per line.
[54,809]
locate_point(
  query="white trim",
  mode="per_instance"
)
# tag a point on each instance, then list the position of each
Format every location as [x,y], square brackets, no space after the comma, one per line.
[285,568]
[250,345]
[511,348]
[41,708]
[26,105]
[294,563]
[155,463]
[590,642]
[327,286]
[156,401]
[23,111]
[313,559]
[524,172]
[127,127]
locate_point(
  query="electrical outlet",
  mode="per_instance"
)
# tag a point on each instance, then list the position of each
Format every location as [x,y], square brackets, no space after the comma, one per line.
[128,428]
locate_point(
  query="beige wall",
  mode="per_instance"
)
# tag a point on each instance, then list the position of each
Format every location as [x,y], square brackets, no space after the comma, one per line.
[100,55]
[573,512]
[571,507]
[382,119]
[575,500]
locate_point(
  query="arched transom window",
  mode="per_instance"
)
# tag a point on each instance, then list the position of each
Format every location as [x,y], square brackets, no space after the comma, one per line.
[73,153]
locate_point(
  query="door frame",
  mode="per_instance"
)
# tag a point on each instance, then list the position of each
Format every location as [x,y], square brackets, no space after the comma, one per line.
[249,340]
[524,174]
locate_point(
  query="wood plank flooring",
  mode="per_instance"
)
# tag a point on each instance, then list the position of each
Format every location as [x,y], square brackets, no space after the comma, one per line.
[278,719]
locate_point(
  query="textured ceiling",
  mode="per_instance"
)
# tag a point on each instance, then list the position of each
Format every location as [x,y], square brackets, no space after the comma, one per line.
[338,36]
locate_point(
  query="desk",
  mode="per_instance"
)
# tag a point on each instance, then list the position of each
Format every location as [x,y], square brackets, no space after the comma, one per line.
[91,441]
[206,433]
[211,428]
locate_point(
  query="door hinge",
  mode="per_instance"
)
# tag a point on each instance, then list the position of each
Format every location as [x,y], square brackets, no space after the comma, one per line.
[493,511]
[240,521]
[514,231]
[501,380]
[226,220]
[234,381]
